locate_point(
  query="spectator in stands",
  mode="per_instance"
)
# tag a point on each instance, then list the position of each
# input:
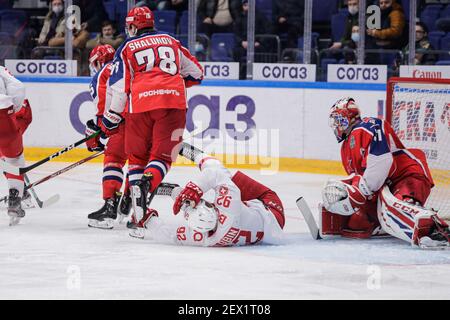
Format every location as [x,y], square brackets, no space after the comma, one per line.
[393,34]
[93,13]
[352,20]
[349,53]
[108,35]
[262,26]
[217,15]
[423,46]
[53,30]
[289,19]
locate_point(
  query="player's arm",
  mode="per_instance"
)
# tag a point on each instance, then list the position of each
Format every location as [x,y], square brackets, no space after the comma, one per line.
[190,69]
[119,83]
[14,88]
[213,174]
[379,159]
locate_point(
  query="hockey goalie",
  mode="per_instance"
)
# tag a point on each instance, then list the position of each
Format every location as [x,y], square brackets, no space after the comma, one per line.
[387,186]
[243,212]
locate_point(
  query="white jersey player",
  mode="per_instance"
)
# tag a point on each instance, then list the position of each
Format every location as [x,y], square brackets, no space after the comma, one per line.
[244,212]
[12,95]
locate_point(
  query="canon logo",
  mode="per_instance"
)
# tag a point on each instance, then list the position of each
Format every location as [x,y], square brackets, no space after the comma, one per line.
[427,74]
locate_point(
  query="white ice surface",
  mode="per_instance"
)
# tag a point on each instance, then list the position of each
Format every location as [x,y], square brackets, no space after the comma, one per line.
[51,249]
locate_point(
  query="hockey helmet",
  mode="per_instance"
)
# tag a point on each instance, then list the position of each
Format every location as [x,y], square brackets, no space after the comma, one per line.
[140,17]
[343,115]
[101,55]
[203,217]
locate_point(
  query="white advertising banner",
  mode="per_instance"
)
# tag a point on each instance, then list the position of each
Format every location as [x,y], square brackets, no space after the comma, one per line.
[263,121]
[221,70]
[284,72]
[42,67]
[425,72]
[355,73]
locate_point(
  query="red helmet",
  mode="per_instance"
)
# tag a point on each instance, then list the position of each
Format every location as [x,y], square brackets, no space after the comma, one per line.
[140,17]
[102,54]
[343,115]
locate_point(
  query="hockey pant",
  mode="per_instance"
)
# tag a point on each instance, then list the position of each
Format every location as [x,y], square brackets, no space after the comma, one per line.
[152,142]
[11,147]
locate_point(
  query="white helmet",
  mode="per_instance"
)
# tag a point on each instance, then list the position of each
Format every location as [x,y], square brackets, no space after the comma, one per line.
[203,217]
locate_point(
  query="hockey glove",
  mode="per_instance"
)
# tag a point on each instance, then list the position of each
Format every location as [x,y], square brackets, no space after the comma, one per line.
[24,116]
[110,123]
[98,142]
[191,193]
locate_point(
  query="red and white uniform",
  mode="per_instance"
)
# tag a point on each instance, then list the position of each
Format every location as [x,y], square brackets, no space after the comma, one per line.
[12,124]
[151,73]
[249,212]
[374,151]
[115,156]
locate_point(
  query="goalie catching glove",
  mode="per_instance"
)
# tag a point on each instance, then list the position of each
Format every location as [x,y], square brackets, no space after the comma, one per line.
[345,197]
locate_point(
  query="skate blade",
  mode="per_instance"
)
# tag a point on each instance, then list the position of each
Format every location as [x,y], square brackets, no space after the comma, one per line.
[427,244]
[138,233]
[121,218]
[101,224]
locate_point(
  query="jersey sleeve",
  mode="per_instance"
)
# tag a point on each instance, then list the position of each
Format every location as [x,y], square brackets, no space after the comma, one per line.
[190,68]
[378,156]
[14,88]
[119,80]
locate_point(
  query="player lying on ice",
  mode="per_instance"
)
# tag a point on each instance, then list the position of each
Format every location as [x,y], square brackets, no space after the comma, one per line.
[387,187]
[15,117]
[243,212]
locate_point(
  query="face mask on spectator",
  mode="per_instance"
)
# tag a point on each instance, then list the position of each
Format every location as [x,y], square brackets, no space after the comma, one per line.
[353,10]
[355,36]
[57,9]
[199,47]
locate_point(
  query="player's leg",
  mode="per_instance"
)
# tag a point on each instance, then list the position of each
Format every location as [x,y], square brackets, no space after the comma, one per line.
[138,143]
[252,189]
[402,215]
[113,163]
[167,135]
[11,148]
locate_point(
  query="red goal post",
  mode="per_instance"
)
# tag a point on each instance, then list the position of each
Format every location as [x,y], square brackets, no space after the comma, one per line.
[419,112]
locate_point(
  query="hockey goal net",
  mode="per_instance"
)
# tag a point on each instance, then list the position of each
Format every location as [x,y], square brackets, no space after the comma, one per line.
[419,112]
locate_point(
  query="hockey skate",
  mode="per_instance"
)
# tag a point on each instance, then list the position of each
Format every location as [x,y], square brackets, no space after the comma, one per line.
[15,211]
[124,207]
[104,217]
[438,239]
[139,230]
[139,193]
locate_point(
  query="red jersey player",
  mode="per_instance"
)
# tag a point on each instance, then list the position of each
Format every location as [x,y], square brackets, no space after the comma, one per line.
[13,121]
[115,158]
[243,211]
[151,72]
[387,187]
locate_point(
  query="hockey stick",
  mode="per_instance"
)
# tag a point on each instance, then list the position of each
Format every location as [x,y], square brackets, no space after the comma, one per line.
[309,218]
[6,167]
[41,204]
[59,172]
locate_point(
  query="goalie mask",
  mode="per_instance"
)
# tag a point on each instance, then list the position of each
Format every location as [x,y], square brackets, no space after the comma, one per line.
[203,217]
[343,115]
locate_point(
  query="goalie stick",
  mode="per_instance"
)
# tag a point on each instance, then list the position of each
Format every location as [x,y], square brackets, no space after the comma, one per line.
[6,167]
[309,218]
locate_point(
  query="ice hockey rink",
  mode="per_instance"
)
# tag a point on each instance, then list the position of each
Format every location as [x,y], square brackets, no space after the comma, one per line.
[53,254]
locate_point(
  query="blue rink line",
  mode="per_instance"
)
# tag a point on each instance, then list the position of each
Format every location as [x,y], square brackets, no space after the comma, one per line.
[237,83]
